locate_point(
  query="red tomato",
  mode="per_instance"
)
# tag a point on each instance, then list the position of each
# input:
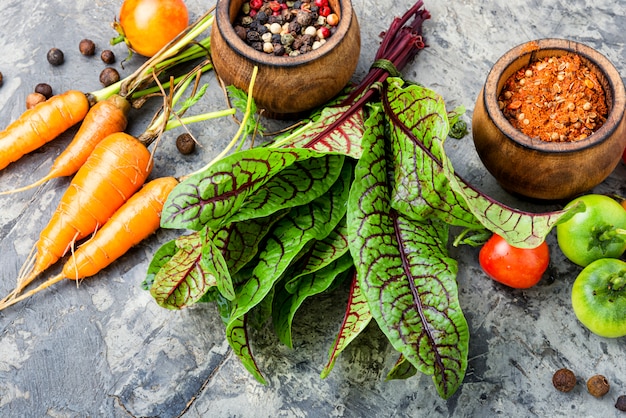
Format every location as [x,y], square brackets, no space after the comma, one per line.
[519,268]
[149,25]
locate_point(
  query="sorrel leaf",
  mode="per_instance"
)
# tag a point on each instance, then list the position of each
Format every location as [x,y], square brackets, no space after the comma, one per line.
[332,131]
[286,303]
[295,185]
[237,335]
[319,255]
[355,320]
[212,196]
[182,280]
[403,369]
[295,230]
[239,241]
[405,273]
[402,105]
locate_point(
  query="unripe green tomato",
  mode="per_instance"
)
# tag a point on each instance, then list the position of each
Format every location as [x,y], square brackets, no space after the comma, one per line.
[595,233]
[599,297]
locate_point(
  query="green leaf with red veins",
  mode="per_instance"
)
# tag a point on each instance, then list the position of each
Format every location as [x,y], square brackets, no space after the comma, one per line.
[213,263]
[237,335]
[403,369]
[160,259]
[212,196]
[338,129]
[182,280]
[239,241]
[405,272]
[421,189]
[298,184]
[355,320]
[290,235]
[321,254]
[418,127]
[287,303]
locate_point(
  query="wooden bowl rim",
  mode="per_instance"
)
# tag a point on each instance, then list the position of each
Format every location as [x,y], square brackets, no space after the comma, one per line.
[227,31]
[525,53]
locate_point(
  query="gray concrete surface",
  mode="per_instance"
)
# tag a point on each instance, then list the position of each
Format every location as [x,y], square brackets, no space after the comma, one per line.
[106,349]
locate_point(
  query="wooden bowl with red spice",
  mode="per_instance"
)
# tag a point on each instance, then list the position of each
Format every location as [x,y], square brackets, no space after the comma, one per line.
[288,84]
[549,121]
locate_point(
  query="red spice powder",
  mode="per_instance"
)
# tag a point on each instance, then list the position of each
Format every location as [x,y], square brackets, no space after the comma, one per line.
[556,99]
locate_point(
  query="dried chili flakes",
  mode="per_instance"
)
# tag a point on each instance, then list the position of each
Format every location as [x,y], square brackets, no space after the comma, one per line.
[556,99]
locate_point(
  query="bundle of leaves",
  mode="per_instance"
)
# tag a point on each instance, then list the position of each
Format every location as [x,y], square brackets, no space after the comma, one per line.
[362,190]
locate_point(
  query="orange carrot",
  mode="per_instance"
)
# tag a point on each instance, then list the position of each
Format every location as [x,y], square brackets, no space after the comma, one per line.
[115,170]
[41,124]
[104,118]
[137,219]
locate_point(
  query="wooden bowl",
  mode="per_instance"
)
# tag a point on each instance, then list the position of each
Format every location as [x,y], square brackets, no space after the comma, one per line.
[286,85]
[540,169]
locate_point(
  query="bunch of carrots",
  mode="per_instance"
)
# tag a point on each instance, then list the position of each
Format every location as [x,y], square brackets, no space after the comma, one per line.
[107,204]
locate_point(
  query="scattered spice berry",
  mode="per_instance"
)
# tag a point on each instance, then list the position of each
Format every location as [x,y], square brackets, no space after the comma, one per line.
[109,76]
[45,89]
[598,385]
[556,99]
[286,27]
[185,144]
[107,56]
[1,79]
[87,47]
[33,99]
[55,56]
[621,403]
[564,380]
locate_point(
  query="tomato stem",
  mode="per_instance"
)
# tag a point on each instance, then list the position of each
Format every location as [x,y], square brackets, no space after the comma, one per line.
[618,281]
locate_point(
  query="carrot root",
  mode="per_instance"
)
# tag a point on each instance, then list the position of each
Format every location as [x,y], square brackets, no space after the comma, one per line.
[12,298]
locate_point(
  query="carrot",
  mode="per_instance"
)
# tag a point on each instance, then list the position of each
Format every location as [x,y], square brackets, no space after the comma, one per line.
[134,221]
[115,170]
[102,119]
[41,124]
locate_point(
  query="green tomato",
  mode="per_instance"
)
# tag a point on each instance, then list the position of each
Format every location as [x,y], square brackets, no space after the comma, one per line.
[595,233]
[599,297]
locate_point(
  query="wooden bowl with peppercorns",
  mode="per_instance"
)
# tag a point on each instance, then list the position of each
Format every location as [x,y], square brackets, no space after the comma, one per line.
[549,121]
[301,65]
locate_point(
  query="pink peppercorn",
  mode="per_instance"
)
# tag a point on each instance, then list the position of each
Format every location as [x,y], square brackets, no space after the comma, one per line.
[320,3]
[324,11]
[324,32]
[256,4]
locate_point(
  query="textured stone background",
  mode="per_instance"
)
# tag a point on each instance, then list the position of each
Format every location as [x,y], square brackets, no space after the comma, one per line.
[106,349]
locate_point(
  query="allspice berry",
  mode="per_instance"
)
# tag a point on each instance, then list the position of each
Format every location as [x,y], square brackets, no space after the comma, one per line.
[598,385]
[1,79]
[564,380]
[107,56]
[87,47]
[109,76]
[33,99]
[55,56]
[621,403]
[185,144]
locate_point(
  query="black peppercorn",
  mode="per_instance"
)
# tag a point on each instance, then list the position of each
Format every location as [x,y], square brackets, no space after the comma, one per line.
[185,144]
[87,47]
[598,385]
[564,380]
[44,89]
[621,403]
[55,56]
[109,76]
[107,56]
